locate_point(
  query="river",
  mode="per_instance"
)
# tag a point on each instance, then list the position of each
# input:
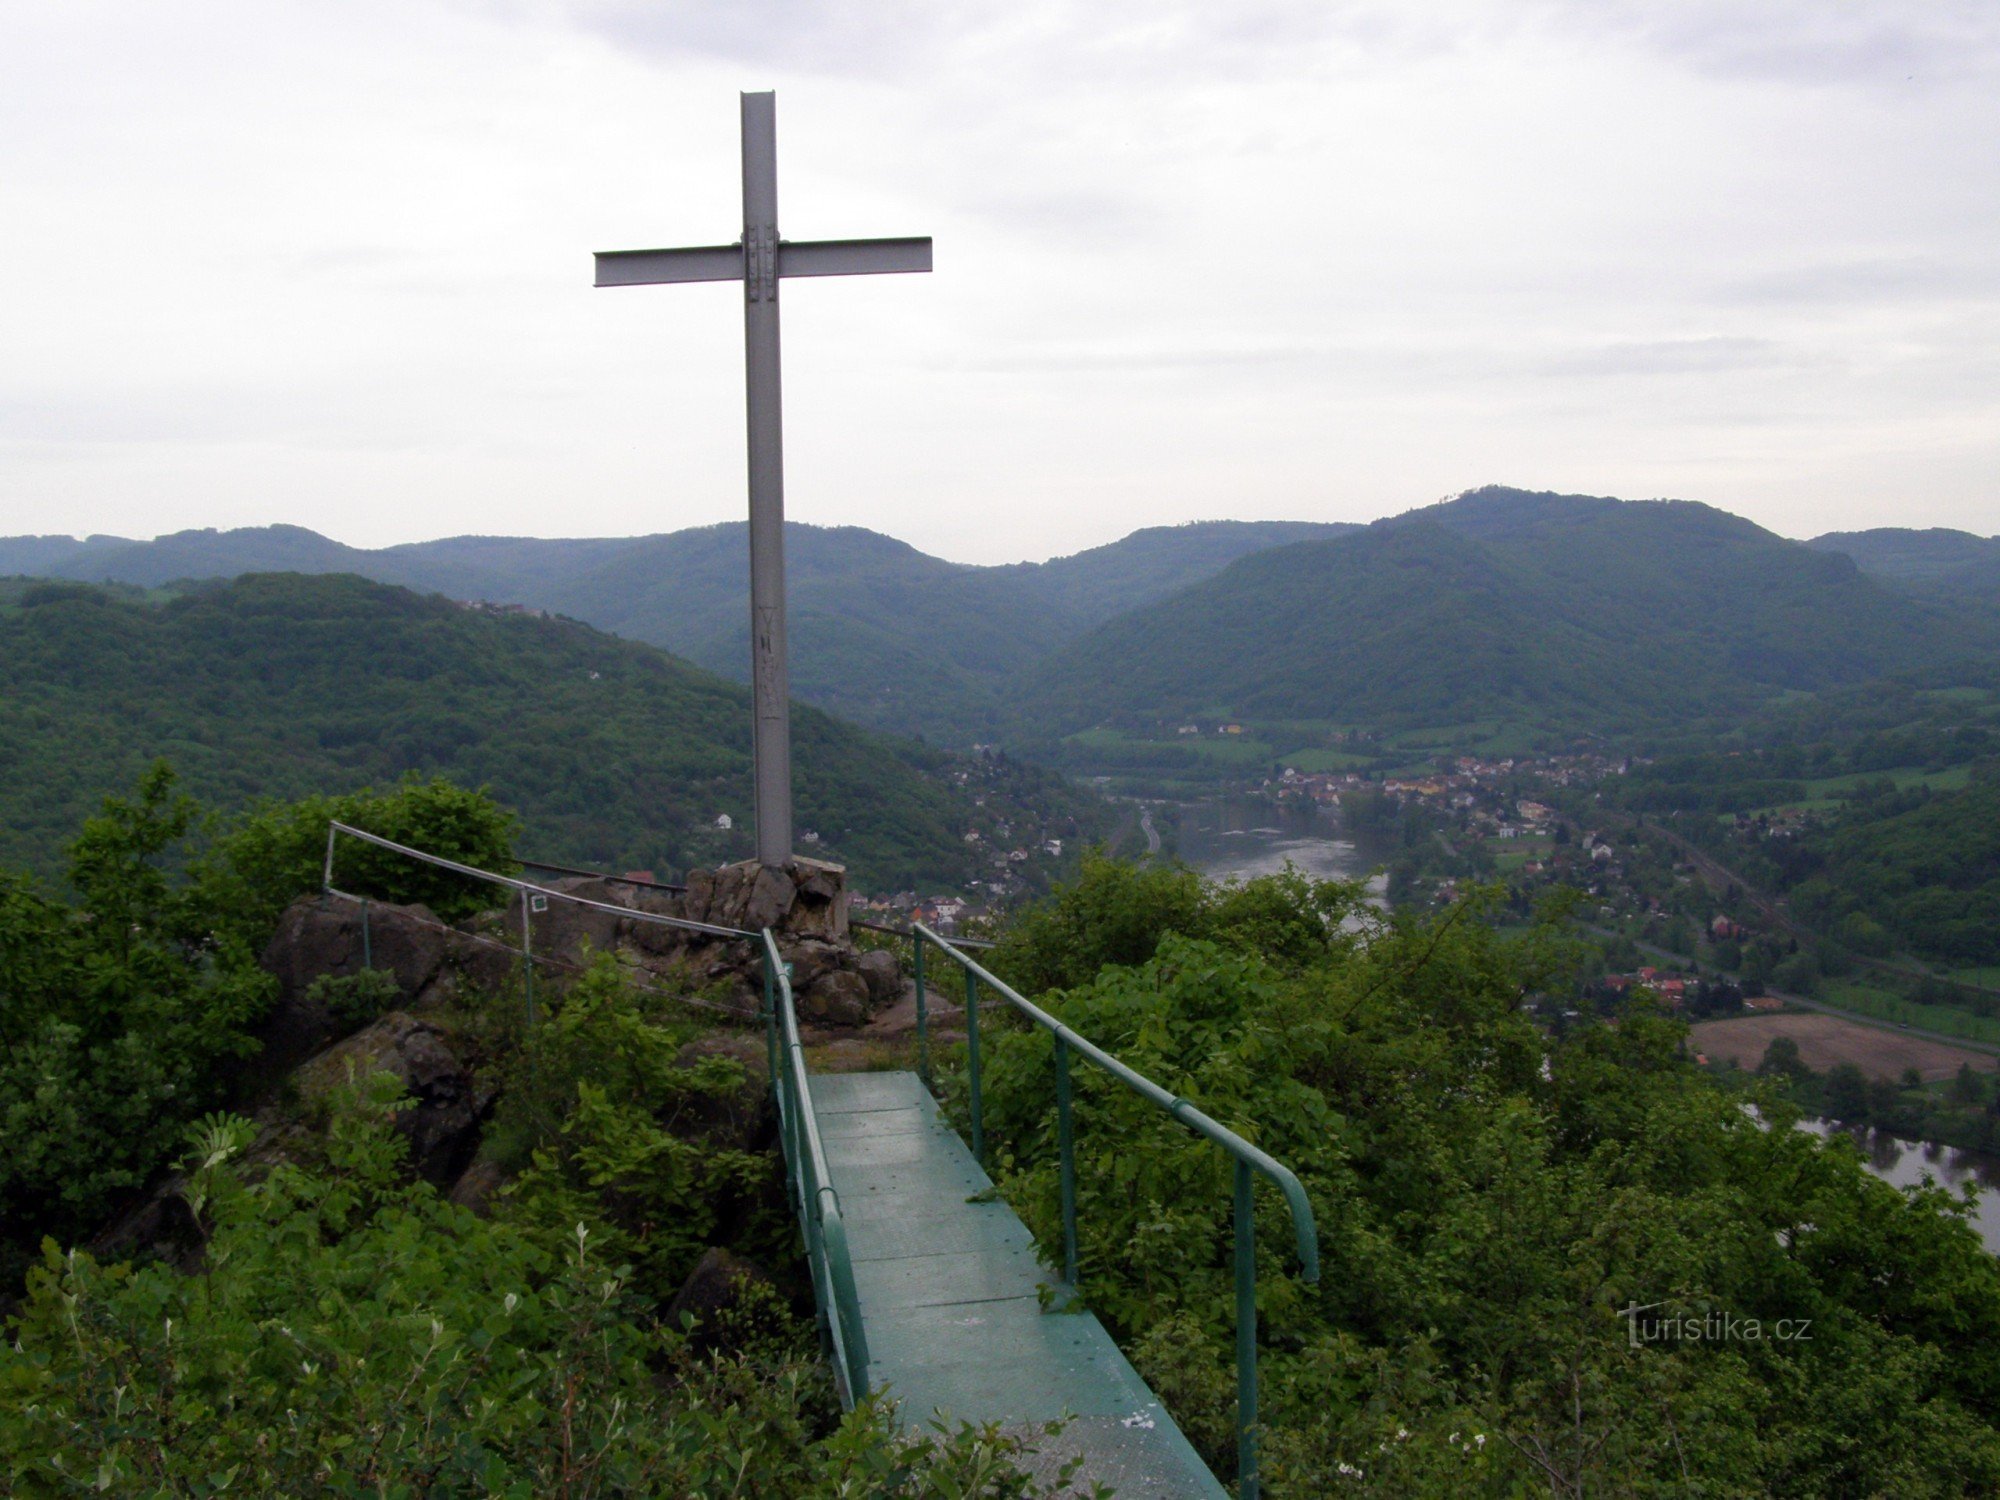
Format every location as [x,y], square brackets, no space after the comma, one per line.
[1240,838]
[1906,1163]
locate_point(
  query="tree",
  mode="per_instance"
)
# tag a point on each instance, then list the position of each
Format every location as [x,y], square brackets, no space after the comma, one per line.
[1847,1096]
[1782,1060]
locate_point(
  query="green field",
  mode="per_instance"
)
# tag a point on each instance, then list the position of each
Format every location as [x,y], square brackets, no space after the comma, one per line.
[1228,750]
[1885,1005]
[1326,760]
[1825,792]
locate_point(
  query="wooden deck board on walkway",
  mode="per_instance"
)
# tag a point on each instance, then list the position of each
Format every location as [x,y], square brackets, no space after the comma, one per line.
[950,1298]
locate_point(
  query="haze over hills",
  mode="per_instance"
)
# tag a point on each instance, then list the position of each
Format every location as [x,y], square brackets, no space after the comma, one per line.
[882,633]
[1936,560]
[1570,611]
[277,685]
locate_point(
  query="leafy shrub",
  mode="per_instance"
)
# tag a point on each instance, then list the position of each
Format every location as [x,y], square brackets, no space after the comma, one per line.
[119,1020]
[277,852]
[353,1000]
[351,1334]
[1488,1198]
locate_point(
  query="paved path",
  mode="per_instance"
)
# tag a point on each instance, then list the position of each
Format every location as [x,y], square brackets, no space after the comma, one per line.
[951,1304]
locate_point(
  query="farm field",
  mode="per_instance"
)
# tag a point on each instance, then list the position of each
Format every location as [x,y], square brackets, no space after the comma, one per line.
[1827,1041]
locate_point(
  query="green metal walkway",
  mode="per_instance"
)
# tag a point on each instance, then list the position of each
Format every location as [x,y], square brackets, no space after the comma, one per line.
[928,1287]
[950,1296]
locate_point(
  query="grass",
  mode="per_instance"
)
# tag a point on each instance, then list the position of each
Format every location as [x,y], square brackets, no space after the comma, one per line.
[1231,749]
[1825,792]
[1326,760]
[1885,1005]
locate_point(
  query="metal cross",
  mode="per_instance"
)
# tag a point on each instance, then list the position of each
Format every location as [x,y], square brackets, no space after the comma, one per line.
[759,260]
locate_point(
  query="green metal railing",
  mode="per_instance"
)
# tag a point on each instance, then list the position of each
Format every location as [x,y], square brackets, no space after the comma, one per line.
[1249,1162]
[811,1185]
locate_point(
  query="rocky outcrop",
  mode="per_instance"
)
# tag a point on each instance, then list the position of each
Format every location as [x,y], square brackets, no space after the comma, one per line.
[884,976]
[566,931]
[805,906]
[807,901]
[321,935]
[452,1100]
[839,998]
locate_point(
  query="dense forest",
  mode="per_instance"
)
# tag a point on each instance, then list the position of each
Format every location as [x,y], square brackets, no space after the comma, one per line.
[1554,613]
[1565,613]
[616,754]
[883,635]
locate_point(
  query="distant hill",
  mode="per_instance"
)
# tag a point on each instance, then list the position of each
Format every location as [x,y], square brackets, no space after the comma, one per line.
[1937,559]
[882,633]
[280,685]
[1576,611]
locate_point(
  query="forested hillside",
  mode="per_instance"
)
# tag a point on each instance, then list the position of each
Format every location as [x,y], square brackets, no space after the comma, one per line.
[1570,612]
[281,685]
[1938,557]
[882,634]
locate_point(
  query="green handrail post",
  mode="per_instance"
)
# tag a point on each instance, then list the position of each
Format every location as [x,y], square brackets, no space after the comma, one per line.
[817,1204]
[367,946]
[1246,1334]
[527,962]
[770,1019]
[1249,1160]
[923,1016]
[972,1062]
[1066,1148]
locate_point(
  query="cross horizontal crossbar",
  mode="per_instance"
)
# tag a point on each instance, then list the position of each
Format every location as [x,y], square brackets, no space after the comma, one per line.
[800,258]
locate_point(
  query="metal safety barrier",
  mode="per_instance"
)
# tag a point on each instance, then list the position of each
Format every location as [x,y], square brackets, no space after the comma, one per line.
[811,1185]
[1250,1162]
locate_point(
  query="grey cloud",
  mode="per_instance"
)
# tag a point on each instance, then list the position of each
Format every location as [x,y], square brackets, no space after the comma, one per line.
[1866,281]
[1884,42]
[1673,357]
[1162,361]
[1111,40]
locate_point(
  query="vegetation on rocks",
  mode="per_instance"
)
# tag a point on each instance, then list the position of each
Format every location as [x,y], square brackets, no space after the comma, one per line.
[338,1323]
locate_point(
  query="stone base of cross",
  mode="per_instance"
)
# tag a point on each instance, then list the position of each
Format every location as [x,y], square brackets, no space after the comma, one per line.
[760,260]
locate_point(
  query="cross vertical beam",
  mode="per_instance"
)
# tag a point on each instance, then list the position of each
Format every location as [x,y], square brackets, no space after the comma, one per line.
[760,260]
[770,671]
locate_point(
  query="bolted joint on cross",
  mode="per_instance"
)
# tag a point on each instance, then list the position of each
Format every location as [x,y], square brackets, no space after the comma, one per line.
[760,260]
[760,264]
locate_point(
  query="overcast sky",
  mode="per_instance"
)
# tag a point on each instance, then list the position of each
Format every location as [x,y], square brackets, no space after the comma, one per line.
[329,263]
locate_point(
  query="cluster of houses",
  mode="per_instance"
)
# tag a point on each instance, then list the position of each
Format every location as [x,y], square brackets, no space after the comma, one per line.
[940,913]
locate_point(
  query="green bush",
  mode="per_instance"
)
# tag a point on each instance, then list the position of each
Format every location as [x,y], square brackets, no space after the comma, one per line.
[276,853]
[353,1000]
[120,1018]
[350,1334]
[1488,1198]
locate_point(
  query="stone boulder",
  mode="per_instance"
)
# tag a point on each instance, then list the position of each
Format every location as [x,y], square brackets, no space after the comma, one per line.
[161,1227]
[884,977]
[477,1186]
[836,998]
[452,1101]
[320,935]
[713,1290]
[565,931]
[807,900]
